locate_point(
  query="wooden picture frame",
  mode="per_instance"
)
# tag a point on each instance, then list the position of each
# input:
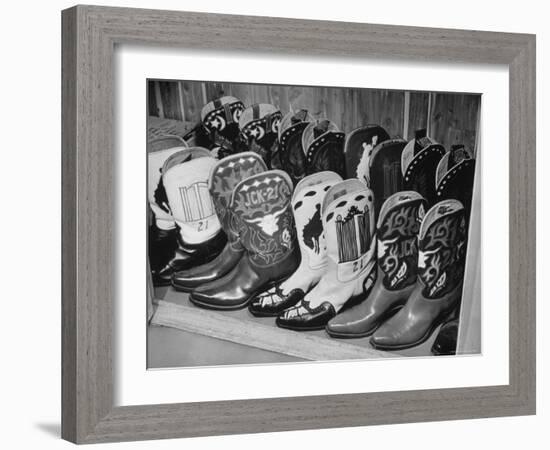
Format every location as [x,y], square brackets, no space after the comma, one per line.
[90,34]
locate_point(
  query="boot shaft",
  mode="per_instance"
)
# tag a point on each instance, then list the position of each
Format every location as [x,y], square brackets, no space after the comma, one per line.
[224,176]
[442,249]
[397,235]
[359,146]
[221,117]
[348,221]
[306,204]
[156,192]
[292,157]
[259,127]
[261,211]
[323,145]
[419,162]
[185,176]
[385,178]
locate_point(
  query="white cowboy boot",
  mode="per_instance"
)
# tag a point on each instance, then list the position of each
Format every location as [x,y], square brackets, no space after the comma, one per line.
[348,222]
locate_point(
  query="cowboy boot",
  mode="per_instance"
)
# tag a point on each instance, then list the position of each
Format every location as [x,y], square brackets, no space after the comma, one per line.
[348,222]
[385,177]
[397,233]
[455,177]
[306,205]
[261,211]
[358,149]
[438,290]
[323,145]
[419,162]
[162,233]
[446,340]
[292,157]
[200,239]
[224,176]
[220,119]
[259,125]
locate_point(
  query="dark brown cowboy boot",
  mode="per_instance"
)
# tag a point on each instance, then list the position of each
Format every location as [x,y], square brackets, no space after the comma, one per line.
[397,234]
[261,211]
[442,254]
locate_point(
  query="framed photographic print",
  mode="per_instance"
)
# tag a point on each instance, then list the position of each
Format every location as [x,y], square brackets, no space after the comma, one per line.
[307,232]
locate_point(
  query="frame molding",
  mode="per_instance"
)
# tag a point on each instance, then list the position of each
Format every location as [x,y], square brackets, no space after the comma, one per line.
[90,34]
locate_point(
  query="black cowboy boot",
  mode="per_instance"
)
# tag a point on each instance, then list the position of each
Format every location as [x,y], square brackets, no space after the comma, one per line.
[261,211]
[385,177]
[348,223]
[438,290]
[162,233]
[220,119]
[225,175]
[323,144]
[358,149]
[291,152]
[397,234]
[455,177]
[259,125]
[200,239]
[419,162]
[306,204]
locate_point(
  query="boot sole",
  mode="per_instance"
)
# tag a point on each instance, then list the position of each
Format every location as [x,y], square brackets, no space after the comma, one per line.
[301,329]
[232,307]
[368,333]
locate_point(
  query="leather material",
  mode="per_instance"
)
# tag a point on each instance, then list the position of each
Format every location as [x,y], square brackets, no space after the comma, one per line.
[185,176]
[385,177]
[438,290]
[445,342]
[397,232]
[306,205]
[455,177]
[259,125]
[224,176]
[323,145]
[220,119]
[162,245]
[186,256]
[261,211]
[348,223]
[307,318]
[291,153]
[359,146]
[419,161]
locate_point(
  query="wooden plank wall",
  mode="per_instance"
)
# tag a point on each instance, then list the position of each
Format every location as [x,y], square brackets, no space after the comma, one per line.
[450,118]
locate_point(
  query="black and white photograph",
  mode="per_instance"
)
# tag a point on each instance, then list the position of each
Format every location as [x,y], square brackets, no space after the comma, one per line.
[303,223]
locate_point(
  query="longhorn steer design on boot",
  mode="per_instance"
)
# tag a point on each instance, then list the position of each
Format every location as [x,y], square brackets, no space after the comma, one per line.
[268,223]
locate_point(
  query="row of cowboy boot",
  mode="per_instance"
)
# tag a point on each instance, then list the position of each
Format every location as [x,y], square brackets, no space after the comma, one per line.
[347,214]
[254,208]
[397,231]
[186,230]
[420,268]
[306,206]
[224,177]
[438,289]
[308,146]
